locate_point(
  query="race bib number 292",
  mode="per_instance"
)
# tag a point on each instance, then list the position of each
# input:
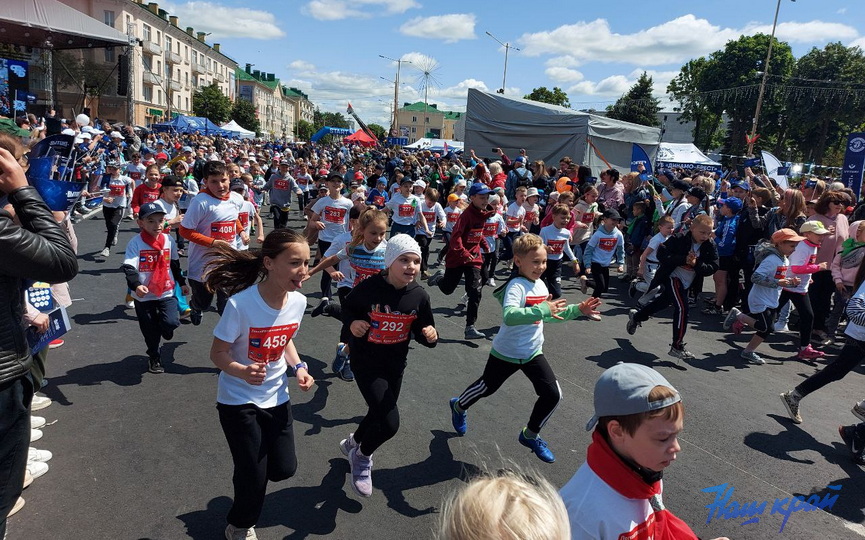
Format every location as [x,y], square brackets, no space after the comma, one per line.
[267,344]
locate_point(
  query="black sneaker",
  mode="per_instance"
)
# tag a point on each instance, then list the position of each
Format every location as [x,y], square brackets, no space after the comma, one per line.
[155,365]
[632,289]
[319,309]
[853,443]
[168,335]
[434,280]
[711,309]
[632,322]
[473,333]
[346,373]
[195,317]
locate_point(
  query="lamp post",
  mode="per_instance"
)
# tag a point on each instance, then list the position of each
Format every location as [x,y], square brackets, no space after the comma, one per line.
[394,126]
[507,47]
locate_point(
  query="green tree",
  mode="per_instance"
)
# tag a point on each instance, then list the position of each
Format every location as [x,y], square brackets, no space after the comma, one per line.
[243,112]
[211,103]
[556,96]
[694,106]
[379,131]
[638,105]
[84,75]
[329,119]
[304,130]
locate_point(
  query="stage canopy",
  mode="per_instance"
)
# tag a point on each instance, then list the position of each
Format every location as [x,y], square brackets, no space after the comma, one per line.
[38,23]
[238,131]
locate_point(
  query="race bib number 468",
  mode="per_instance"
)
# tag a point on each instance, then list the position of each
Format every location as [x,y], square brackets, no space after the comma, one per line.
[267,344]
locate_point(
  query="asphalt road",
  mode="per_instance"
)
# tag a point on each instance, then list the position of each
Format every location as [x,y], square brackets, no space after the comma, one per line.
[142,456]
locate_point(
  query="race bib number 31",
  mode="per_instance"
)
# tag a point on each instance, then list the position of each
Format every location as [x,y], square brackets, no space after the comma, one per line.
[267,344]
[389,328]
[148,258]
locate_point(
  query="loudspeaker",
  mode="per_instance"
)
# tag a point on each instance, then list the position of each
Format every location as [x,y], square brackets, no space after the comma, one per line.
[122,75]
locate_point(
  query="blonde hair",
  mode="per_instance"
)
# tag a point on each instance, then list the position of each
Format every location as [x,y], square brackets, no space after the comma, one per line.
[507,505]
[526,243]
[495,168]
[369,216]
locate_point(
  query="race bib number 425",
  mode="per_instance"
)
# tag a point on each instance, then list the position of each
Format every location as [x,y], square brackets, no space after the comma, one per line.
[267,344]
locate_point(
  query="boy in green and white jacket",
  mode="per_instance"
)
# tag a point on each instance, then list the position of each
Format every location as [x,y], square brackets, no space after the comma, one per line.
[526,304]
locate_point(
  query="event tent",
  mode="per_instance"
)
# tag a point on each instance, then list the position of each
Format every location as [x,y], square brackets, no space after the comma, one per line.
[361,138]
[190,124]
[549,132]
[436,145]
[238,130]
[685,156]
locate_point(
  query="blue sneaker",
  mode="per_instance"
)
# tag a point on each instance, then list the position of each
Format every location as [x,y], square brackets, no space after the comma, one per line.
[346,373]
[339,360]
[458,419]
[538,446]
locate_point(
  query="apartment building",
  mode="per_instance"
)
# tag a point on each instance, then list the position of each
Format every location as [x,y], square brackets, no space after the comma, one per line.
[416,120]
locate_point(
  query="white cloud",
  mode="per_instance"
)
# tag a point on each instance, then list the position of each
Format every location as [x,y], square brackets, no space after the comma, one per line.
[805,32]
[841,11]
[224,21]
[858,43]
[301,65]
[564,75]
[450,28]
[567,61]
[614,85]
[334,10]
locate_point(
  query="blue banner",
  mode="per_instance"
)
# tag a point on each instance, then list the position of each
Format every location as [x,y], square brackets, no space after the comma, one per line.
[638,156]
[854,163]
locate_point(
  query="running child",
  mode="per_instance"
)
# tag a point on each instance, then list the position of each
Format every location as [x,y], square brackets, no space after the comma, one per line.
[378,196]
[170,191]
[114,203]
[605,248]
[330,217]
[726,225]
[680,260]
[514,217]
[405,210]
[649,259]
[253,347]
[279,187]
[532,219]
[770,276]
[383,312]
[452,214]
[210,221]
[148,191]
[152,268]
[434,215]
[494,228]
[557,238]
[247,215]
[518,346]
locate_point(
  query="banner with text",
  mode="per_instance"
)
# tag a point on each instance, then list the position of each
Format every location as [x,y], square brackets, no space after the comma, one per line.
[854,163]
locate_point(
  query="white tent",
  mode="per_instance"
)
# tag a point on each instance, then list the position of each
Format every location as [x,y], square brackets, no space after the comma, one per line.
[549,132]
[436,145]
[236,128]
[685,156]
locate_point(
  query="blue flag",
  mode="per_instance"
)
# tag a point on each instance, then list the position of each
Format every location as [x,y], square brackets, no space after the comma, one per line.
[638,155]
[854,163]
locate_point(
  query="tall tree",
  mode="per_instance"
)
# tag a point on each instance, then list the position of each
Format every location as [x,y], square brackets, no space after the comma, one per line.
[329,119]
[304,130]
[685,89]
[211,103]
[243,112]
[638,105]
[379,131]
[556,96]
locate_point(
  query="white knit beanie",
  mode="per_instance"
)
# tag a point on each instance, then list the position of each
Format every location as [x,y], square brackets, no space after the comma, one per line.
[397,245]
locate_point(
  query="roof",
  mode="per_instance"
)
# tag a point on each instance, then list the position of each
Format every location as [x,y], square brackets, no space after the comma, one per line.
[452,115]
[242,75]
[294,92]
[33,22]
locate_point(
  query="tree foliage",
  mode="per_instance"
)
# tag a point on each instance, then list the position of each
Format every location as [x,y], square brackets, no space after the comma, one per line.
[638,105]
[243,112]
[379,131]
[556,96]
[329,119]
[211,103]
[72,71]
[684,89]
[304,130]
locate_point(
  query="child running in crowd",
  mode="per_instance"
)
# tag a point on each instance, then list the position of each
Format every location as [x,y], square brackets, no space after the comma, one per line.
[279,187]
[360,255]
[247,215]
[330,217]
[433,214]
[637,231]
[464,257]
[378,196]
[148,191]
[518,346]
[383,312]
[532,218]
[514,217]
[649,259]
[452,214]
[152,268]
[617,493]
[405,210]
[494,227]
[210,221]
[170,192]
[605,248]
[556,238]
[726,225]
[119,189]
[770,275]
[680,260]
[253,346]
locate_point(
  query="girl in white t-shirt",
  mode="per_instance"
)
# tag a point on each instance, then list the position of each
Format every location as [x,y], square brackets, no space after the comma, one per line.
[253,346]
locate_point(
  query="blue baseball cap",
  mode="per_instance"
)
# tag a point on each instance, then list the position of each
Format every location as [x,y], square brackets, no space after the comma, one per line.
[148,209]
[479,188]
[741,185]
[734,203]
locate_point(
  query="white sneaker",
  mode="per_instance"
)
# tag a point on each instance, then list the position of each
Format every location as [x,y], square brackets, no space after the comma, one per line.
[781,328]
[105,252]
[859,410]
[464,300]
[37,422]
[38,455]
[35,435]
[37,468]
[236,533]
[39,402]
[491,282]
[130,304]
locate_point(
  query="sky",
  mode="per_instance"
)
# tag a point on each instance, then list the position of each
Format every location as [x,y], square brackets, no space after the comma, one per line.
[593,50]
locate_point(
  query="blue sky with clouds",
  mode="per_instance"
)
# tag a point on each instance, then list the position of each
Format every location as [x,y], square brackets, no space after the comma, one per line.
[593,50]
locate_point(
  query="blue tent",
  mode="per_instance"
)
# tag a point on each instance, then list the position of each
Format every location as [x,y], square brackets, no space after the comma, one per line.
[191,124]
[330,131]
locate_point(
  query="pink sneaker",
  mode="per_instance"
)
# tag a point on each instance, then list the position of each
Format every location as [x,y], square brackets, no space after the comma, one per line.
[737,327]
[810,353]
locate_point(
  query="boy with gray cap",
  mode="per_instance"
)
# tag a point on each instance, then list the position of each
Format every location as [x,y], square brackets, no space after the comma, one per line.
[617,492]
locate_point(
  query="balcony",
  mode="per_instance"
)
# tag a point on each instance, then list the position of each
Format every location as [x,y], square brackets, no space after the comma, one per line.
[175,86]
[220,77]
[173,58]
[151,47]
[200,69]
[151,79]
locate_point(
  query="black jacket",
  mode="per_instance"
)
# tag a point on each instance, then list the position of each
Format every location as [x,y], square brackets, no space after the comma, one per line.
[38,250]
[673,253]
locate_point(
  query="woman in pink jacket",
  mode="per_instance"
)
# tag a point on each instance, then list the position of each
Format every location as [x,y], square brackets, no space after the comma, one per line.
[844,265]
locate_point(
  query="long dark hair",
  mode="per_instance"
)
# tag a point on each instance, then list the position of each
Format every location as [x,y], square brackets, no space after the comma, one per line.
[232,270]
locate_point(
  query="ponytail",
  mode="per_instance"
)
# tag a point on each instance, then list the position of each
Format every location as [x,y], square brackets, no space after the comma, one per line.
[233,271]
[371,215]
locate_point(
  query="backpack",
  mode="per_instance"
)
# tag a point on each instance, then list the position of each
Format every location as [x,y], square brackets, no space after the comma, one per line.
[763,249]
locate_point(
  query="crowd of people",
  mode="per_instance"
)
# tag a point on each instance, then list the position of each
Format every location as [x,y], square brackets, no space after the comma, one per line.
[779,257]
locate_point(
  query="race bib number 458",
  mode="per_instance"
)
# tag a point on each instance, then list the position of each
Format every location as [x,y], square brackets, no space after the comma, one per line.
[267,344]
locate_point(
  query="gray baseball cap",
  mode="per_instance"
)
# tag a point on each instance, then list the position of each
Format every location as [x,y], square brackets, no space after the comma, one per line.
[624,389]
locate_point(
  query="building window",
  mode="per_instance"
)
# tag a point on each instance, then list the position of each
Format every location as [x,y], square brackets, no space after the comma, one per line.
[158,68]
[426,120]
[168,47]
[186,52]
[187,104]
[414,130]
[129,25]
[110,57]
[148,93]
[194,57]
[158,96]
[145,33]
[147,61]
[167,72]
[414,118]
[109,18]
[186,75]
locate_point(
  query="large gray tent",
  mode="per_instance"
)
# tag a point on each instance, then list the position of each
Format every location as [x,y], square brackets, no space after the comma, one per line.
[550,132]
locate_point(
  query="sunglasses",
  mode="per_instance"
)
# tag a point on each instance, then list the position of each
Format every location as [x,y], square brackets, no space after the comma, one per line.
[835,201]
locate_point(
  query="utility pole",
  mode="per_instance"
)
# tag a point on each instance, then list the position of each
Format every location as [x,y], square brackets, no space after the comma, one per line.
[394,128]
[751,137]
[507,47]
[130,70]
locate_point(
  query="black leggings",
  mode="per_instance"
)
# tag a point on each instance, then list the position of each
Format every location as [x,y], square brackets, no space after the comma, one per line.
[112,222]
[602,279]
[764,322]
[451,279]
[156,318]
[423,241]
[488,269]
[446,239]
[821,289]
[552,277]
[850,357]
[202,298]
[379,382]
[325,277]
[280,217]
[302,201]
[672,292]
[537,370]
[262,448]
[802,303]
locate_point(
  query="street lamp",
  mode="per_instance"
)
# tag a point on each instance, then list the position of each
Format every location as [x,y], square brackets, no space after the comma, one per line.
[394,125]
[507,47]
[752,137]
